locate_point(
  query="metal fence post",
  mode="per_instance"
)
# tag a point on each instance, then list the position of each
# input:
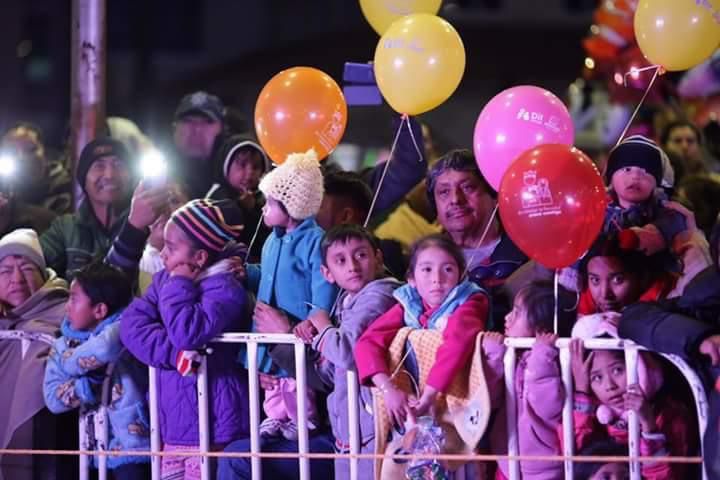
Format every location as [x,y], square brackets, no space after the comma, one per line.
[631,360]
[511,409]
[567,413]
[155,444]
[353,393]
[101,431]
[203,415]
[255,462]
[83,460]
[303,441]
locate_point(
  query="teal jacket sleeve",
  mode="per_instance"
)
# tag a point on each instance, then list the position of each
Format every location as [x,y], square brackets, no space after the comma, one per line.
[253,277]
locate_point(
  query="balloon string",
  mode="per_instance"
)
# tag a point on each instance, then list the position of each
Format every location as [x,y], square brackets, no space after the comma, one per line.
[642,100]
[382,177]
[557,304]
[636,71]
[412,136]
[482,239]
[404,119]
[254,237]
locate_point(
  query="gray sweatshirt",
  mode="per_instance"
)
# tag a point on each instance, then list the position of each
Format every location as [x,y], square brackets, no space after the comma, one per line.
[336,345]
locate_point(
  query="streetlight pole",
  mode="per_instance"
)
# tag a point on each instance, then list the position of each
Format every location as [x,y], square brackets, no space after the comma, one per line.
[87,84]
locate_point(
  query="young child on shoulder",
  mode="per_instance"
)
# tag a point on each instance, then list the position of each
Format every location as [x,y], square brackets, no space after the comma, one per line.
[291,290]
[352,260]
[539,391]
[634,174]
[636,215]
[437,296]
[195,298]
[77,365]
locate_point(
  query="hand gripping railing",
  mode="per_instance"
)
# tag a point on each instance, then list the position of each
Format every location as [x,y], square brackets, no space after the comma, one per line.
[631,357]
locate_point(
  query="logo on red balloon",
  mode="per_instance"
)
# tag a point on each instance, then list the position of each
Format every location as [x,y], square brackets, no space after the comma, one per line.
[536,196]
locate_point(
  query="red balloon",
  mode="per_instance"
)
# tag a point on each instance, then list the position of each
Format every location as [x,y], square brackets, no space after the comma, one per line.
[552,204]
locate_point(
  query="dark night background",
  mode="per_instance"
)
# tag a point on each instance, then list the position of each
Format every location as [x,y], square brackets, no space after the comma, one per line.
[161,49]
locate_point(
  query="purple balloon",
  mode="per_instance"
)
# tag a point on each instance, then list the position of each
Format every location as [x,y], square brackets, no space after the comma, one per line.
[516,120]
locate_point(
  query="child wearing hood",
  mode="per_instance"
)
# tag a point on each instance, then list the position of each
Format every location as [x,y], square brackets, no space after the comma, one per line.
[603,397]
[244,162]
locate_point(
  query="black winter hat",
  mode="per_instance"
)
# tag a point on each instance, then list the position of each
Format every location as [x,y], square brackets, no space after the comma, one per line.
[636,151]
[98,148]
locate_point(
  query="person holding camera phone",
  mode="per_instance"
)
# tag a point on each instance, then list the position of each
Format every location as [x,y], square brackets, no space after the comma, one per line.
[104,173]
[15,213]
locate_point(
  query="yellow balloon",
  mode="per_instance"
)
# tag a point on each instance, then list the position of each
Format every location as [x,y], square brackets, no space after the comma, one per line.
[382,13]
[677,34]
[419,63]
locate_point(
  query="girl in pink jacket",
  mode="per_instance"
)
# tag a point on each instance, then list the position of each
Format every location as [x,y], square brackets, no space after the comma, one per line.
[603,397]
[539,391]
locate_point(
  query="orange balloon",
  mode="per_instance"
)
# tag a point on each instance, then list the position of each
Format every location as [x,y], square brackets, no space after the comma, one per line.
[299,109]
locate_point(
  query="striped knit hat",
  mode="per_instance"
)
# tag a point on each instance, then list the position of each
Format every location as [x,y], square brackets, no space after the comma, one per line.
[211,223]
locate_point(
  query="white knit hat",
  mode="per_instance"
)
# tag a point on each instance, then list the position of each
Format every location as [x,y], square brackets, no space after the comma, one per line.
[297,183]
[23,242]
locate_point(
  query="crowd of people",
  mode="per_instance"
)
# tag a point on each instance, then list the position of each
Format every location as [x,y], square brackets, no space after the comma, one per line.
[147,271]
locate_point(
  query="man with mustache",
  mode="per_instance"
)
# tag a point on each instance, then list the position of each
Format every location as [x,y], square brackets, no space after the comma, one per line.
[464,203]
[73,240]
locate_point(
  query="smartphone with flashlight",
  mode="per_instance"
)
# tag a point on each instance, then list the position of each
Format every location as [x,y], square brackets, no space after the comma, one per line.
[153,168]
[8,168]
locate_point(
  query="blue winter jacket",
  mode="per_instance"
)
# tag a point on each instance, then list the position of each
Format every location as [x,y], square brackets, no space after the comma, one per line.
[289,278]
[74,375]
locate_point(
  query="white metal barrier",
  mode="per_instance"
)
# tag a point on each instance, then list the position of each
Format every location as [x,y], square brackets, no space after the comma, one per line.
[26,338]
[631,357]
[252,341]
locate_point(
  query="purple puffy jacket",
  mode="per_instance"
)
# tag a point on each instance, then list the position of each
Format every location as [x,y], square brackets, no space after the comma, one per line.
[180,314]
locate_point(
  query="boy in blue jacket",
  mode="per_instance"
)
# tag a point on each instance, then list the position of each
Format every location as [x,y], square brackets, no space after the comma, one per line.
[77,365]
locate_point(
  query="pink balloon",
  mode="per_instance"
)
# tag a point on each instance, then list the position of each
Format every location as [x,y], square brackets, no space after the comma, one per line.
[516,120]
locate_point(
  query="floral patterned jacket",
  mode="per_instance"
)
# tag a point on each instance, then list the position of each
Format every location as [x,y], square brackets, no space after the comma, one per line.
[74,376]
